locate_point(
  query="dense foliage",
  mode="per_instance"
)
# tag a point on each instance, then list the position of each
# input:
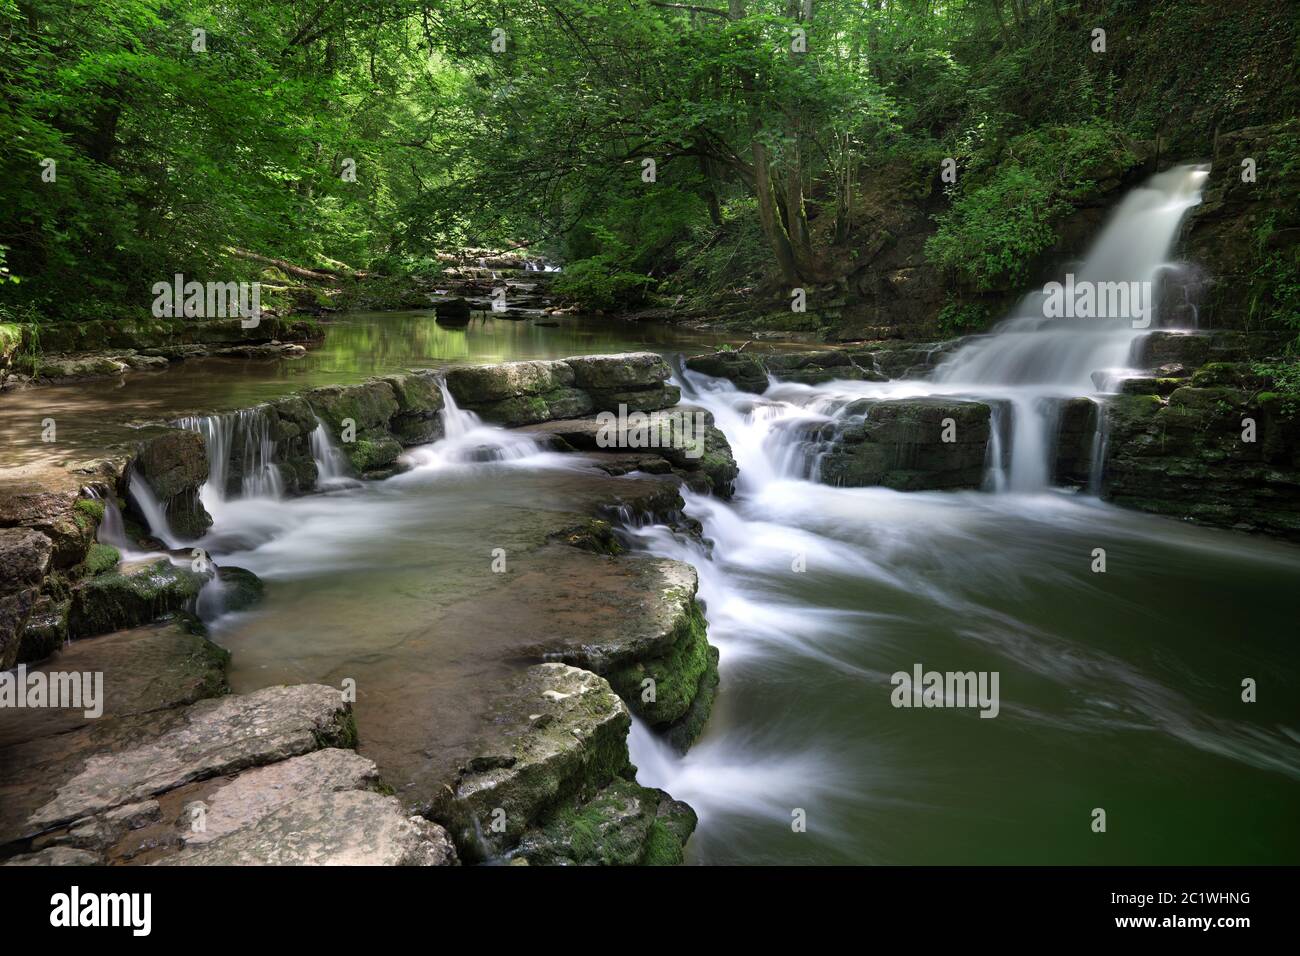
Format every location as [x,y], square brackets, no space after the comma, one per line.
[661,149]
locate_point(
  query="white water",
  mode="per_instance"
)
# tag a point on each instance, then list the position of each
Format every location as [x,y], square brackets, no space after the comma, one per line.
[937,572]
[893,578]
[248,430]
[331,463]
[466,440]
[151,509]
[1023,369]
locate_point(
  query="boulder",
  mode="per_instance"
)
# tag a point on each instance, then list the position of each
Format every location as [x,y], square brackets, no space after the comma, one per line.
[625,824]
[626,372]
[418,419]
[174,463]
[900,444]
[25,558]
[473,385]
[48,503]
[134,595]
[559,735]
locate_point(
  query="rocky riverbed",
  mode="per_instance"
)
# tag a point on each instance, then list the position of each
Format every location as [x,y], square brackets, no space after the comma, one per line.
[536,771]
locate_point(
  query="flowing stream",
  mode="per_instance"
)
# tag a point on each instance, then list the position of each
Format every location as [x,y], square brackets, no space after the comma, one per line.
[1118,690]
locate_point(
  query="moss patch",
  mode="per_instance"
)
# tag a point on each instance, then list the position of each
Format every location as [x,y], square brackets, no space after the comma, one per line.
[101,558]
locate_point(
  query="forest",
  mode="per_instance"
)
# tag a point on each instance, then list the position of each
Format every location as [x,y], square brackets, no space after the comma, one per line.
[640,432]
[664,152]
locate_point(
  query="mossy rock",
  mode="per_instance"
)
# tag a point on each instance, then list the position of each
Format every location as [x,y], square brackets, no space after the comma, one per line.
[91,508]
[372,451]
[620,826]
[240,588]
[101,558]
[127,598]
[46,630]
[676,675]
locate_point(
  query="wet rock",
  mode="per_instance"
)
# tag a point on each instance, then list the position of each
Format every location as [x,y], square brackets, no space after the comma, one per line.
[900,444]
[474,385]
[418,419]
[565,732]
[625,372]
[743,369]
[363,411]
[144,669]
[46,630]
[657,658]
[341,828]
[1076,436]
[132,596]
[683,438]
[452,310]
[525,393]
[530,409]
[174,463]
[625,824]
[240,589]
[25,557]
[48,504]
[71,367]
[1187,456]
[56,856]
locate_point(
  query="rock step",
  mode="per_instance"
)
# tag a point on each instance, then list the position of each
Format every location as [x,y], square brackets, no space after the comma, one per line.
[552,782]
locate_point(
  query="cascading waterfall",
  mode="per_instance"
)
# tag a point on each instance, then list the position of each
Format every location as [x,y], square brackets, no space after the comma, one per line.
[243,435]
[331,463]
[151,509]
[1024,369]
[1034,361]
[467,440]
[903,577]
[112,530]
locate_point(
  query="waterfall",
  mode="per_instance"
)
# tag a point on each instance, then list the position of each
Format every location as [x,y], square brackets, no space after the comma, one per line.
[151,509]
[1034,359]
[467,439]
[111,531]
[455,422]
[331,463]
[1023,370]
[244,437]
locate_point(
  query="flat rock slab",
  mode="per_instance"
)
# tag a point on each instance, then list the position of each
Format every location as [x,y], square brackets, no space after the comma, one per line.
[342,828]
[257,793]
[56,780]
[143,669]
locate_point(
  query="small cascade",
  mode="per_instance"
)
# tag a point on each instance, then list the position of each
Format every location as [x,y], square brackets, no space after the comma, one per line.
[995,474]
[241,454]
[331,463]
[1100,447]
[112,530]
[468,440]
[151,509]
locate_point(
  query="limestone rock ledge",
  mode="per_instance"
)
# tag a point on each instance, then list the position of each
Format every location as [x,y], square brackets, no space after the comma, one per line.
[553,783]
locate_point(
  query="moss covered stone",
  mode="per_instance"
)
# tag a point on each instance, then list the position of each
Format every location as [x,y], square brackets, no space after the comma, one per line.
[622,825]
[661,689]
[101,558]
[130,597]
